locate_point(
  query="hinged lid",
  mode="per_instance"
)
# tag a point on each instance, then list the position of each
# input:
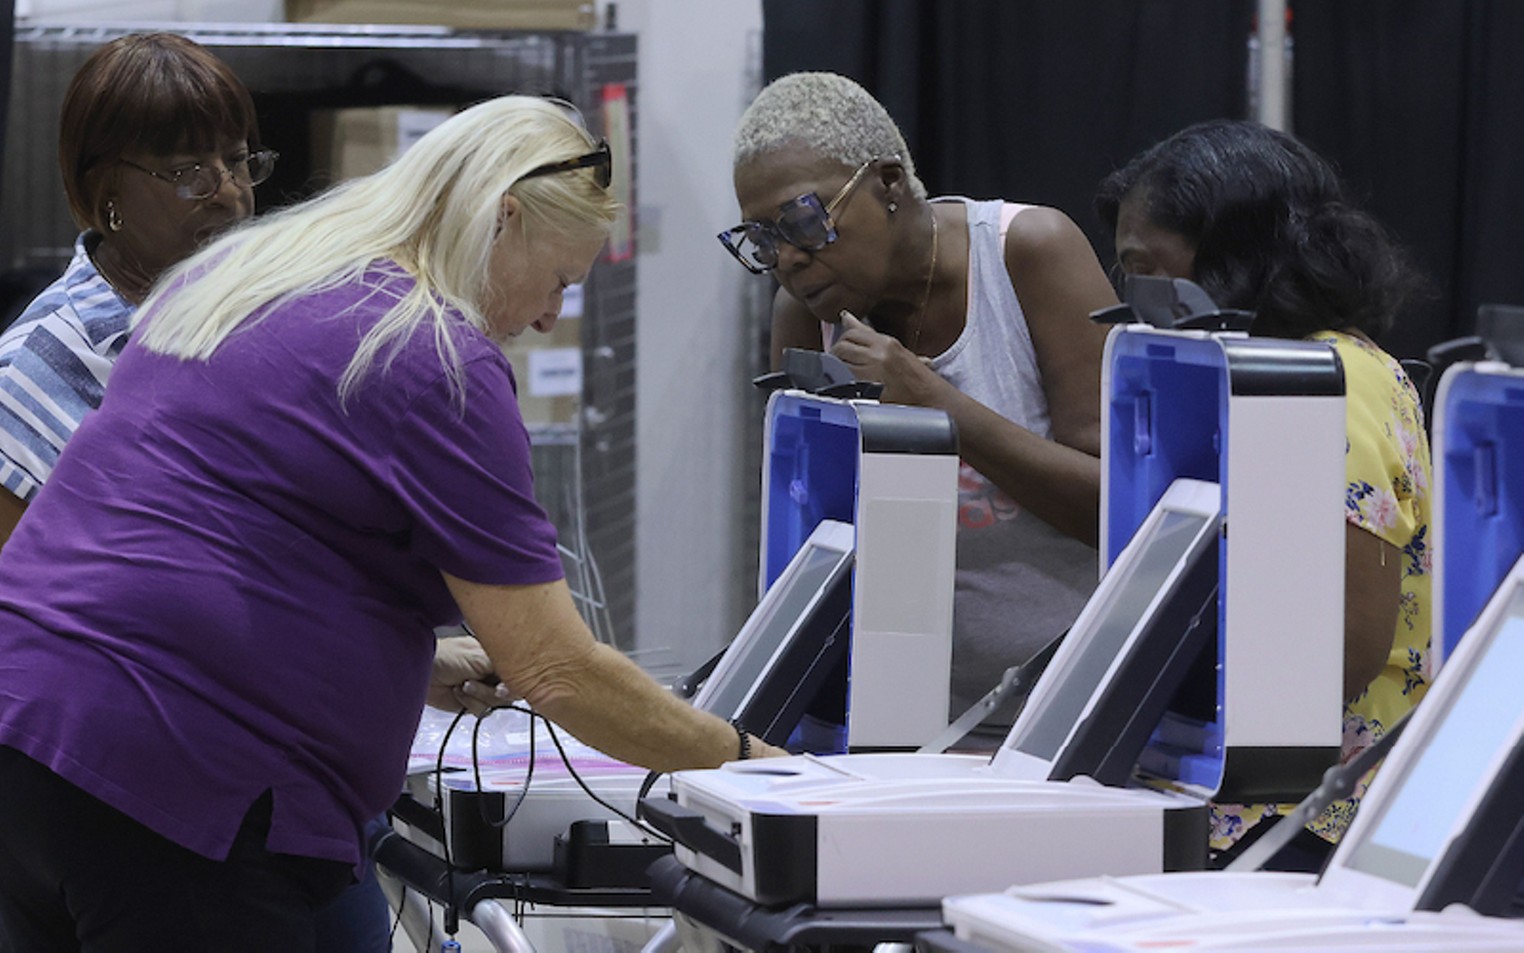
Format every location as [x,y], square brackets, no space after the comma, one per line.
[812,450]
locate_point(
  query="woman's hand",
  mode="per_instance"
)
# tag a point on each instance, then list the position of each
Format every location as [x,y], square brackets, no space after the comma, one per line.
[873,356]
[761,749]
[545,653]
[463,678]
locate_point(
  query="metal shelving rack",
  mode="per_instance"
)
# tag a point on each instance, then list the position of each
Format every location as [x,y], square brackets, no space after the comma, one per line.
[585,471]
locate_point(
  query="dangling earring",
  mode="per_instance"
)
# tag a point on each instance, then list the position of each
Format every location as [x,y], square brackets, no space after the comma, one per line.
[113,220]
[893,208]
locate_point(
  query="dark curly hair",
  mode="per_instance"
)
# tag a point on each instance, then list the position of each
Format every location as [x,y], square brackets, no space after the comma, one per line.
[1273,228]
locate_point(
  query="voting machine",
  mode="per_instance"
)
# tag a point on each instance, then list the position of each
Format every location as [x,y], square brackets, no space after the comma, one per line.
[1257,421]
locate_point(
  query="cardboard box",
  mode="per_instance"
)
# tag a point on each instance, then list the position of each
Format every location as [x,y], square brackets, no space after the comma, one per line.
[548,367]
[353,142]
[463,14]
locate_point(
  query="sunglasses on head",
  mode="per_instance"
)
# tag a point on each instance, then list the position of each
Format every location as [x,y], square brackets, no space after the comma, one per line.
[802,222]
[600,160]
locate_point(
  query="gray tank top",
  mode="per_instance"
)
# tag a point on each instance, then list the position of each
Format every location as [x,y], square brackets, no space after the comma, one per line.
[1019,581]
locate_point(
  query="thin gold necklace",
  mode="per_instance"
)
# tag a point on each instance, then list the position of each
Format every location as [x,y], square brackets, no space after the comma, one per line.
[109,261]
[931,272]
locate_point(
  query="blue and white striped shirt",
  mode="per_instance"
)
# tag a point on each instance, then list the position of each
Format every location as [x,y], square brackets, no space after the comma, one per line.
[54,361]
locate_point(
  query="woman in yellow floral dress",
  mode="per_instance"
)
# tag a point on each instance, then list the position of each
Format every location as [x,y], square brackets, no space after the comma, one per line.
[1262,223]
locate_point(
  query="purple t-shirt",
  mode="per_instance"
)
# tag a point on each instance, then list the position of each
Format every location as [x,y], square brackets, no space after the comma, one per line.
[230,582]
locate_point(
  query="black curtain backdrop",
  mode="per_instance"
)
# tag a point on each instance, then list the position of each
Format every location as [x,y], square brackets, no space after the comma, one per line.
[7,45]
[1421,105]
[1417,102]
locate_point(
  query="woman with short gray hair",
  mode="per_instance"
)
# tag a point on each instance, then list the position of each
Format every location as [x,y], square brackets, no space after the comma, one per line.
[977,308]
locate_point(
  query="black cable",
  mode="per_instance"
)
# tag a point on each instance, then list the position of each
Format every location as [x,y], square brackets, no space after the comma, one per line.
[451,910]
[1338,782]
[646,785]
[565,760]
[391,938]
[476,770]
[451,913]
[428,906]
[639,824]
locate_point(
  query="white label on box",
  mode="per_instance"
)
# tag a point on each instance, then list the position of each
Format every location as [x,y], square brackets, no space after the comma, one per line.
[571,302]
[555,372]
[412,124]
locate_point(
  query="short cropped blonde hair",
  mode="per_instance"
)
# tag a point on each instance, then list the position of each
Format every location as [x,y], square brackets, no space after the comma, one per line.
[827,113]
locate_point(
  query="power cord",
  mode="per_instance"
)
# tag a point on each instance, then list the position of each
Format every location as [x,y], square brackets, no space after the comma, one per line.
[391,937]
[451,909]
[476,769]
[646,785]
[566,760]
[451,912]
[428,906]
[636,822]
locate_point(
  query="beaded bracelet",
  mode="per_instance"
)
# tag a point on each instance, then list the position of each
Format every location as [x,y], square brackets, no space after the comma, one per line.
[744,738]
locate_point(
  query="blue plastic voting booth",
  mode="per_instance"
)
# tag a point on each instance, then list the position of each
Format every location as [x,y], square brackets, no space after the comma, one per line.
[1264,420]
[1479,505]
[1260,424]
[892,472]
[1435,855]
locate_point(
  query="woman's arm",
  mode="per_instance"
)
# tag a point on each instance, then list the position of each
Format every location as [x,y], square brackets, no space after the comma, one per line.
[545,654]
[1059,282]
[1059,484]
[1372,597]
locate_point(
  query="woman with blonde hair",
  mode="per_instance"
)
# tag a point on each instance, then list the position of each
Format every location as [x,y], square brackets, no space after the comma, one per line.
[213,658]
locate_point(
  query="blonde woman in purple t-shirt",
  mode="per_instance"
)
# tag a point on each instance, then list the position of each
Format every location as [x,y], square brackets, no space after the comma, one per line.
[159,150]
[310,455]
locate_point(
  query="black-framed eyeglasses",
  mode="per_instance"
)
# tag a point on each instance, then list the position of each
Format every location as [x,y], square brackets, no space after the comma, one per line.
[197,181]
[600,160]
[802,222]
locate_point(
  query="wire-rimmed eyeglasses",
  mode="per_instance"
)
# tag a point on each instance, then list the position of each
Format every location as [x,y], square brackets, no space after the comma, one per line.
[197,181]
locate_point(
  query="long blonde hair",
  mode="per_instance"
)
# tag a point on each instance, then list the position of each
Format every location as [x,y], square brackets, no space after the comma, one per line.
[434,211]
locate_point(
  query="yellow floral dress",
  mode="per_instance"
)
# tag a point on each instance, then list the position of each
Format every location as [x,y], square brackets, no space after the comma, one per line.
[1387,492]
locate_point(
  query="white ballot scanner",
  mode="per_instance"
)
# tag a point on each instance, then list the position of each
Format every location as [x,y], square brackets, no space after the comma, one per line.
[502,815]
[904,830]
[860,501]
[1441,825]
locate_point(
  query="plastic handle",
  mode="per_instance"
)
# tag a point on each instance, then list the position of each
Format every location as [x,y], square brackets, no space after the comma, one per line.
[692,830]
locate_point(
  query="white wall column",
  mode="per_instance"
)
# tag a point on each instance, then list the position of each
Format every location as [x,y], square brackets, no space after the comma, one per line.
[698,63]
